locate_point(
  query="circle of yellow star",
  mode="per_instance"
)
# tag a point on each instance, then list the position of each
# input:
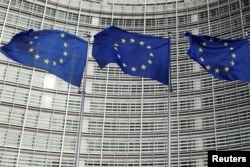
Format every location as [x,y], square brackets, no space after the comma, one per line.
[37,56]
[62,35]
[46,61]
[226,69]
[208,67]
[143,67]
[217,70]
[133,69]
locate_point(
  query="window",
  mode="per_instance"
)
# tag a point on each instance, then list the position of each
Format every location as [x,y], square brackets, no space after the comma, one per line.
[69,143]
[12,137]
[186,85]
[72,17]
[85,19]
[54,142]
[139,22]
[246,3]
[34,24]
[214,12]
[61,15]
[50,12]
[208,121]
[74,104]
[27,6]
[38,9]
[234,7]
[203,15]
[72,124]
[209,142]
[56,122]
[172,20]
[223,10]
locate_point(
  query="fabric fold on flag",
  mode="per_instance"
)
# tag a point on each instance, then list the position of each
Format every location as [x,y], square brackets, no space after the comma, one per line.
[58,52]
[225,59]
[136,54]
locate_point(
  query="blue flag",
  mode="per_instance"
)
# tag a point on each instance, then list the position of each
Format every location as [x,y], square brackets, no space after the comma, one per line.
[58,52]
[225,59]
[136,54]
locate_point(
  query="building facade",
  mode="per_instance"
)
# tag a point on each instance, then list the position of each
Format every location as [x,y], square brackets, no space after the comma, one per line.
[125,118]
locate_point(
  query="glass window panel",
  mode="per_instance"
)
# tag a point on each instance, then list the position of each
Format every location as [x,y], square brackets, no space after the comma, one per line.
[69,143]
[12,138]
[57,122]
[44,120]
[50,12]
[72,123]
[41,141]
[5,113]
[28,139]
[54,142]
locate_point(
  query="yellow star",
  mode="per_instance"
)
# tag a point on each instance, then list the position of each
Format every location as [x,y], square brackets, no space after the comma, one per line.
[124,65]
[231,48]
[37,56]
[211,40]
[208,67]
[61,61]
[204,43]
[65,44]
[149,61]
[31,50]
[36,37]
[226,69]
[132,40]
[30,42]
[234,55]
[119,56]
[116,45]
[200,50]
[115,48]
[202,59]
[123,40]
[54,63]
[141,43]
[133,69]
[151,54]
[225,43]
[46,61]
[148,47]
[232,63]
[143,67]
[65,53]
[217,70]
[62,35]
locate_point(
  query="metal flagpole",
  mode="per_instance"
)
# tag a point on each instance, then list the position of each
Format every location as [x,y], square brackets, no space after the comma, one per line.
[78,147]
[169,111]
[169,120]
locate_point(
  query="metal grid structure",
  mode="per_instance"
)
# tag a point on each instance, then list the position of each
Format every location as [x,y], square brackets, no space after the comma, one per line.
[124,117]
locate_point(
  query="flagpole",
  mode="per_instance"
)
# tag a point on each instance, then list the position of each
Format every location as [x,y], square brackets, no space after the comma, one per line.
[169,122]
[78,146]
[169,110]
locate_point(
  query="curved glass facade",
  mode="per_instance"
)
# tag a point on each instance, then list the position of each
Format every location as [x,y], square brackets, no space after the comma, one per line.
[125,118]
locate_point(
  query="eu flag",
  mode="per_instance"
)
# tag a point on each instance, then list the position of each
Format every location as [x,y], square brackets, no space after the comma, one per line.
[225,59]
[58,52]
[136,54]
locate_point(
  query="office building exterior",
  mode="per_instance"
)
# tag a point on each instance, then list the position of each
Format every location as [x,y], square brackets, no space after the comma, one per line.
[125,118]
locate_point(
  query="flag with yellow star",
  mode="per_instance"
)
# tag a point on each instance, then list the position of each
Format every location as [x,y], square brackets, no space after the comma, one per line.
[225,59]
[136,54]
[58,52]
